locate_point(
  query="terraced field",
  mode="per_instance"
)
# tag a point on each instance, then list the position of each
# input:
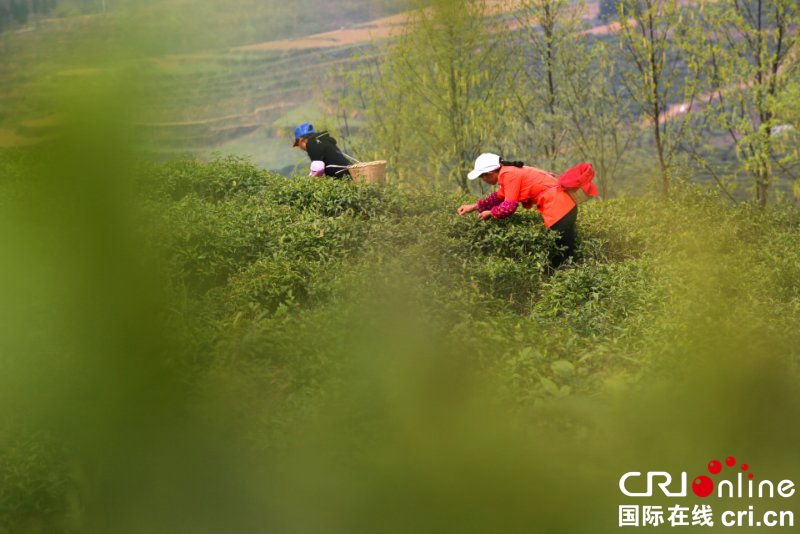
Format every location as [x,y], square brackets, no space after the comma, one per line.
[246,100]
[242,99]
[238,98]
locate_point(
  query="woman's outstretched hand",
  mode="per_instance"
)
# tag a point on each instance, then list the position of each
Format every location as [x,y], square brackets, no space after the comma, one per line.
[466,208]
[485,215]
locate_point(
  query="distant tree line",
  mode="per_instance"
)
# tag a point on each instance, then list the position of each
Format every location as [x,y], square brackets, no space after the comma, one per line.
[675,91]
[610,9]
[17,12]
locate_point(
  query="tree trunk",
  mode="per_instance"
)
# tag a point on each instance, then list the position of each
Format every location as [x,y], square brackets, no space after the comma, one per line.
[762,190]
[656,113]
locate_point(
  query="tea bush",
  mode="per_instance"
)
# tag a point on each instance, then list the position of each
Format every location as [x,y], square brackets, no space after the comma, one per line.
[34,482]
[268,245]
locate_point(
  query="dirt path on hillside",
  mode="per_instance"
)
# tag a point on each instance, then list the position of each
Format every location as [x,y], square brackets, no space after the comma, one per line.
[386,27]
[379,29]
[361,33]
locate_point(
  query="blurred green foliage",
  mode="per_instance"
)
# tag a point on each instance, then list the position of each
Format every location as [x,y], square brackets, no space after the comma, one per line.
[318,355]
[209,347]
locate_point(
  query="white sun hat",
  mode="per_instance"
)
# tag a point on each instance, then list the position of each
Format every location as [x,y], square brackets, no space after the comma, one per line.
[486,162]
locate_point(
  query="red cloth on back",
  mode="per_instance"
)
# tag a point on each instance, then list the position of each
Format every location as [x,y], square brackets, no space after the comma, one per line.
[579,176]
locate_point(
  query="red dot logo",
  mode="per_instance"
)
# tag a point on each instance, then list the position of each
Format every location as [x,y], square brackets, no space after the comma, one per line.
[702,486]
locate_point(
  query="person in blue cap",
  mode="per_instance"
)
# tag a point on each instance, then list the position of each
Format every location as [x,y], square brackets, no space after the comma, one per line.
[321,146]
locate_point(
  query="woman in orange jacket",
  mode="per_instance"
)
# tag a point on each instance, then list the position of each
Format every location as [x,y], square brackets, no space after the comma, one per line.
[529,186]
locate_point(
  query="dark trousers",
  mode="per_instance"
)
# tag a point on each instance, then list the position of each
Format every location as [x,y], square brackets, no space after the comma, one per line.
[565,228]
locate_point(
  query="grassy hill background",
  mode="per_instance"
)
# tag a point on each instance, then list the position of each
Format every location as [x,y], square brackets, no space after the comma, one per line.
[199,91]
[205,78]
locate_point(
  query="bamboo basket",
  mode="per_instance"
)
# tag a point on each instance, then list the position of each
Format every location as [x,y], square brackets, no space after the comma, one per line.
[371,172]
[578,195]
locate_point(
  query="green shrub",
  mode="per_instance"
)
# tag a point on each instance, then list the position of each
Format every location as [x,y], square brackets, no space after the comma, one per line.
[34,483]
[214,181]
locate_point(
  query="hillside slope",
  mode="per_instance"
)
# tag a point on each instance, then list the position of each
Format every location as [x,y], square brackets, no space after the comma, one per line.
[228,89]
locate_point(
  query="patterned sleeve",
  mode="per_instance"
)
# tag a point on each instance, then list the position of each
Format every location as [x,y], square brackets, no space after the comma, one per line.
[504,209]
[489,202]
